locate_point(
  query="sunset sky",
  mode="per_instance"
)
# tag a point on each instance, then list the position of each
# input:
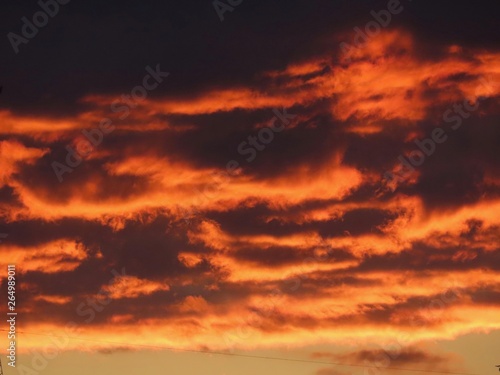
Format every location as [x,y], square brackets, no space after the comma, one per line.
[187,187]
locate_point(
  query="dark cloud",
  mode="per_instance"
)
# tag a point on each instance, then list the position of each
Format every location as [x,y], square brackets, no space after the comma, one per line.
[89,44]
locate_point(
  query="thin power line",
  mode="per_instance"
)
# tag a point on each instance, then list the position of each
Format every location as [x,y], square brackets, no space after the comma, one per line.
[243,355]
